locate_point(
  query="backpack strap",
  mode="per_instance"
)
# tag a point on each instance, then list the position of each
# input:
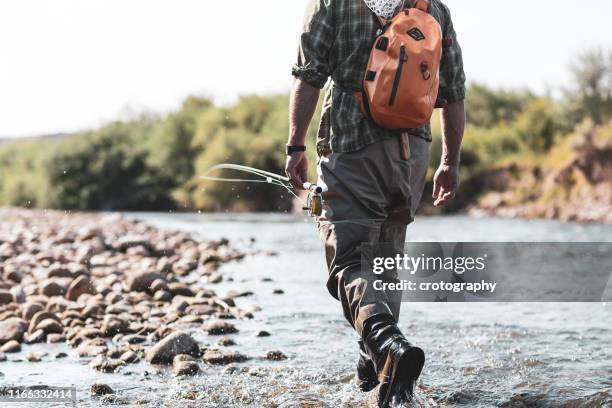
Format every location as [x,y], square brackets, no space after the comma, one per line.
[422,5]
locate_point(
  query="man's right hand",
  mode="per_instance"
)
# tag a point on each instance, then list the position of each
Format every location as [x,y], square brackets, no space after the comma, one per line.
[296,168]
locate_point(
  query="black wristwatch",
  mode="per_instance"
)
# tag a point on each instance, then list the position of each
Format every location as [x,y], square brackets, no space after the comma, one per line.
[294,149]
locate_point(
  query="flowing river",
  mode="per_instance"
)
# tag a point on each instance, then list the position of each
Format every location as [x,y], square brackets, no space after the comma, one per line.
[478,355]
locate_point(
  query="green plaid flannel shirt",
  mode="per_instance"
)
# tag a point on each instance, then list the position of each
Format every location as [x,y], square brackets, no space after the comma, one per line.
[336,42]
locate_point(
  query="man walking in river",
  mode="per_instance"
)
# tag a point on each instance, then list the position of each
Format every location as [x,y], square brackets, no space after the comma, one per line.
[374,176]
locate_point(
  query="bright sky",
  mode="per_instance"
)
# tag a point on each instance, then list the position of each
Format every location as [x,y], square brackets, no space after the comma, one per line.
[72,64]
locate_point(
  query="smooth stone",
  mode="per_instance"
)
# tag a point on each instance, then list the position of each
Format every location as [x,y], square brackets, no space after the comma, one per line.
[263,333]
[51,288]
[33,357]
[6,297]
[141,281]
[217,357]
[216,327]
[39,317]
[12,329]
[275,356]
[185,368]
[29,309]
[11,346]
[129,357]
[226,341]
[105,365]
[55,338]
[78,287]
[100,389]
[50,326]
[38,336]
[170,346]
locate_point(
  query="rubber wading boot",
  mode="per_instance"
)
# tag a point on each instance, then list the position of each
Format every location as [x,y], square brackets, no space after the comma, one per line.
[367,379]
[397,362]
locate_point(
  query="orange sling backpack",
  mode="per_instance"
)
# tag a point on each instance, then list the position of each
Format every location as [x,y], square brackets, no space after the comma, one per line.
[401,83]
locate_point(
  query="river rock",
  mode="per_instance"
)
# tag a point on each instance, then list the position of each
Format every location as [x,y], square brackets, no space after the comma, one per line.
[39,317]
[105,365]
[92,348]
[79,286]
[33,357]
[29,309]
[275,356]
[216,327]
[11,346]
[170,346]
[38,336]
[141,281]
[226,342]
[55,338]
[217,357]
[100,389]
[129,357]
[6,297]
[180,289]
[50,326]
[263,333]
[12,329]
[58,271]
[2,357]
[184,368]
[51,288]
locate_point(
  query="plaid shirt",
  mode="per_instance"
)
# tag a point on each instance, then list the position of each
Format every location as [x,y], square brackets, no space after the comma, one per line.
[336,42]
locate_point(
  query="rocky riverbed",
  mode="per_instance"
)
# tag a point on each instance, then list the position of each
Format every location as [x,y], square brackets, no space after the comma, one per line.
[118,292]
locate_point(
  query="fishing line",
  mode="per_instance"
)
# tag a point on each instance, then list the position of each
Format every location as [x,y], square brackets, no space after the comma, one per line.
[269,178]
[283,182]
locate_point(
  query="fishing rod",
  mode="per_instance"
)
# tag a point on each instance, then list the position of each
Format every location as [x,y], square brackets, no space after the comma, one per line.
[314,201]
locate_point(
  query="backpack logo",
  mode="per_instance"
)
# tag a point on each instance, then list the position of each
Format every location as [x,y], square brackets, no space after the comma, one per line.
[416,34]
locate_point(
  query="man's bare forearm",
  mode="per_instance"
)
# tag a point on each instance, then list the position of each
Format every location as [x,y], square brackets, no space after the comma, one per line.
[453,126]
[302,105]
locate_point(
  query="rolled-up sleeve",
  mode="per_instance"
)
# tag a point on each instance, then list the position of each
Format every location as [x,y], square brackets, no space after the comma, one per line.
[452,75]
[312,64]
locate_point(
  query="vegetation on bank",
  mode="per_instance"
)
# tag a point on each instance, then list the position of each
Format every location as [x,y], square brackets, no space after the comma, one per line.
[155,162]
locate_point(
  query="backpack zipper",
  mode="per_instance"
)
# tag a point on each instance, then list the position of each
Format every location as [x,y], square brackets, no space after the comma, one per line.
[398,74]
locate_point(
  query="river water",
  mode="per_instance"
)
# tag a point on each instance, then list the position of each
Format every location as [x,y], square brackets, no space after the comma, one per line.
[478,355]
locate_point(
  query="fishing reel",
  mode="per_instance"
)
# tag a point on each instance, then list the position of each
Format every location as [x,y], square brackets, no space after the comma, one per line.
[314,202]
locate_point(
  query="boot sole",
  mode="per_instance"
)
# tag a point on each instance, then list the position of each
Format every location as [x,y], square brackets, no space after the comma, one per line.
[404,373]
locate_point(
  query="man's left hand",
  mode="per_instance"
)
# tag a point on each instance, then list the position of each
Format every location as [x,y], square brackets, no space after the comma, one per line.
[446,184]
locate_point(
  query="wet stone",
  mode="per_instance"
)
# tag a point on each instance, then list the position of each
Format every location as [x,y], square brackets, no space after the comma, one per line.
[33,357]
[12,329]
[226,342]
[50,326]
[100,389]
[217,357]
[217,327]
[275,356]
[105,365]
[170,346]
[6,297]
[129,357]
[262,333]
[37,337]
[11,347]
